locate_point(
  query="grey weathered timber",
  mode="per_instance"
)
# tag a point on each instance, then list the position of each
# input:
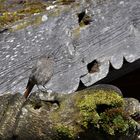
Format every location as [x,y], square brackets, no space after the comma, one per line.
[112,35]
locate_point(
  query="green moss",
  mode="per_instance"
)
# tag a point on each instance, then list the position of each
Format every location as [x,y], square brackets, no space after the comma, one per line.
[10,16]
[103,110]
[91,110]
[26,9]
[36,21]
[2,1]
[64,131]
[64,119]
[116,121]
[89,103]
[95,97]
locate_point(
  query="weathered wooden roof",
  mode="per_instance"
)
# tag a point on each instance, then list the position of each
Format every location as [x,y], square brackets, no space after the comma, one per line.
[112,34]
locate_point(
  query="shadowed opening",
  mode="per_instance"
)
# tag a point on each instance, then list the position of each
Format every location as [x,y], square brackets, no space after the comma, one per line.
[93,66]
[127,78]
[14,137]
[81,16]
[84,19]
[102,107]
[37,106]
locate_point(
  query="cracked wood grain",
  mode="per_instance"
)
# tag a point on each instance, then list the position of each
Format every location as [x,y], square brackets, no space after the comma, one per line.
[112,34]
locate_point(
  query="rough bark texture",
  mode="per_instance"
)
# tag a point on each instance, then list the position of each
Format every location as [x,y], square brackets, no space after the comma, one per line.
[81,115]
[76,33]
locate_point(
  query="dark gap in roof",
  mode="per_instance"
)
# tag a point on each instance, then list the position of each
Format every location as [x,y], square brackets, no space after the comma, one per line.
[93,66]
[83,19]
[127,79]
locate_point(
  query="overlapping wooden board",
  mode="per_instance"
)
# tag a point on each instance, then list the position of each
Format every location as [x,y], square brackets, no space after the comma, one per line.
[112,35]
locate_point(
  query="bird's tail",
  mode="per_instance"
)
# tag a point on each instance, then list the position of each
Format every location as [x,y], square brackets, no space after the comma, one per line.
[29,88]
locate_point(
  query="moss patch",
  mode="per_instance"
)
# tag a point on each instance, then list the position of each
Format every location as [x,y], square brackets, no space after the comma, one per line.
[89,103]
[21,9]
[103,110]
[91,110]
[116,121]
[35,21]
[65,132]
[10,15]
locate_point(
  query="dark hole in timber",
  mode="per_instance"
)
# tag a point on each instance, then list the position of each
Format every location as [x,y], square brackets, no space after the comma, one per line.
[15,137]
[3,30]
[127,79]
[81,86]
[102,107]
[93,66]
[136,116]
[83,17]
[37,106]
[54,102]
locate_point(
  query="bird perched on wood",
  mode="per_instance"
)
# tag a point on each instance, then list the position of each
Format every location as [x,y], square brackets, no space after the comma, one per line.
[41,73]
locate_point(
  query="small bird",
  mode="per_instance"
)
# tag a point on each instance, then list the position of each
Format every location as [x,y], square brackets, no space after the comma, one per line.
[41,73]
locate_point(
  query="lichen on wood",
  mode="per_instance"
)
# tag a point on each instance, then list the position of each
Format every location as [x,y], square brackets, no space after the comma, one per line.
[20,10]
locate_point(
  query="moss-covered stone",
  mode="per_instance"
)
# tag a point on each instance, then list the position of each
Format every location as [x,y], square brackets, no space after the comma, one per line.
[89,103]
[99,109]
[103,110]
[88,114]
